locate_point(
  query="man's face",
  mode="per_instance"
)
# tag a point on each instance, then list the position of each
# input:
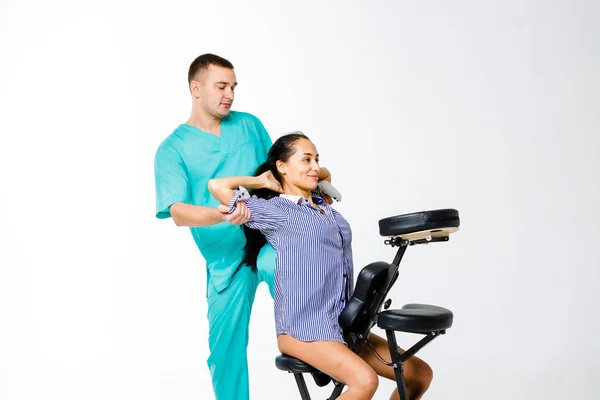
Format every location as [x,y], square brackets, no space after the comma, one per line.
[214,90]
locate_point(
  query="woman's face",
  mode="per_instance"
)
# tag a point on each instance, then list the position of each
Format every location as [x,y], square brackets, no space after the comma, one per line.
[302,168]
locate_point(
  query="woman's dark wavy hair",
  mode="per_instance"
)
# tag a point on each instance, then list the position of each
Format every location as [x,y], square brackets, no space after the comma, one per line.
[282,150]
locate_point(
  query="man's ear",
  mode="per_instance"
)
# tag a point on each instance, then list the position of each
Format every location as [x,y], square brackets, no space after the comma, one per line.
[195,88]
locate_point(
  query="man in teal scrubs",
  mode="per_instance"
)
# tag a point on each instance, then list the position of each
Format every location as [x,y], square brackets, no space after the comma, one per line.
[216,142]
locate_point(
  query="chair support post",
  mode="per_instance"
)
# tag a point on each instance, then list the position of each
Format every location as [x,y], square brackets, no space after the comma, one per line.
[337,391]
[302,386]
[399,359]
[403,244]
[397,364]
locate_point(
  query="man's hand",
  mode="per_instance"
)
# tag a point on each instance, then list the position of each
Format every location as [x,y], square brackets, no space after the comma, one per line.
[325,175]
[268,181]
[239,216]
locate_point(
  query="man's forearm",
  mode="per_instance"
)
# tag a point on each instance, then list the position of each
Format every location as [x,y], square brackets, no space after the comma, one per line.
[184,214]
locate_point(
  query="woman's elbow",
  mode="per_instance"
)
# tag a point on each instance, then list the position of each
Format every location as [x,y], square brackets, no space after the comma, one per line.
[213,186]
[218,189]
[178,221]
[176,214]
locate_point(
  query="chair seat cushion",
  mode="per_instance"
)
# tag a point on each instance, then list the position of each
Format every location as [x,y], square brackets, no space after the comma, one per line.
[416,318]
[428,221]
[291,364]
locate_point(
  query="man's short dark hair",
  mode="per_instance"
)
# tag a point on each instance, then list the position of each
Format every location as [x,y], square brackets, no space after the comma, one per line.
[202,62]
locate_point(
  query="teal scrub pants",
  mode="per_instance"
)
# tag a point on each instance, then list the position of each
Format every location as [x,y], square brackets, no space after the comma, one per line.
[228,320]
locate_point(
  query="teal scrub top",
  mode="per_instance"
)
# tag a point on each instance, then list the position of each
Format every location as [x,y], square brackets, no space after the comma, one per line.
[184,163]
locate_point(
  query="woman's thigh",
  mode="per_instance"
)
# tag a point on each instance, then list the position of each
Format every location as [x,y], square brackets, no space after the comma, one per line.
[332,358]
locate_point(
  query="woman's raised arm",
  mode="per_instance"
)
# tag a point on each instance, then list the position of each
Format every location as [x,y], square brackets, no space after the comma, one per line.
[222,188]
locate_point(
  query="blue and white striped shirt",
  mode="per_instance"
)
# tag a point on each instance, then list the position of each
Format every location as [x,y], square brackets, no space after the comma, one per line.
[314,275]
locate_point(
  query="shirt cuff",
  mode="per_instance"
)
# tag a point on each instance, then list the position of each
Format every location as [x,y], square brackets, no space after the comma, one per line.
[239,194]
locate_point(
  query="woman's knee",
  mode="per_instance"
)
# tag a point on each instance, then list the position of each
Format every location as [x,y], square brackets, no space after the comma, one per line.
[424,374]
[428,374]
[367,383]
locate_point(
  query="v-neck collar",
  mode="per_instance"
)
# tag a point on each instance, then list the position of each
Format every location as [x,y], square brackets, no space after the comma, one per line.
[221,140]
[203,132]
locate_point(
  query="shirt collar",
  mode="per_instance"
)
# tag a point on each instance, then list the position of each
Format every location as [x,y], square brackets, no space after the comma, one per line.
[301,201]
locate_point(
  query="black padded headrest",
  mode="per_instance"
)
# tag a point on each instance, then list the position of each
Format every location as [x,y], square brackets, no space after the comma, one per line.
[420,221]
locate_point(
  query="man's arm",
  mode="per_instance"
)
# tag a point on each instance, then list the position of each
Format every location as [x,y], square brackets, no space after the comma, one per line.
[184,214]
[173,195]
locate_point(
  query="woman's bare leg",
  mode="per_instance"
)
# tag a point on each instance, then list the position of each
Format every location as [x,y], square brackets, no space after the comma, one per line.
[417,373]
[336,360]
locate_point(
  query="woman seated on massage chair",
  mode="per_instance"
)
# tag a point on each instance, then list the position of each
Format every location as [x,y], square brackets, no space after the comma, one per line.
[314,273]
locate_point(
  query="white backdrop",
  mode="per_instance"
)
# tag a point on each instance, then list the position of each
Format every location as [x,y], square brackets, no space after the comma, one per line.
[490,107]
